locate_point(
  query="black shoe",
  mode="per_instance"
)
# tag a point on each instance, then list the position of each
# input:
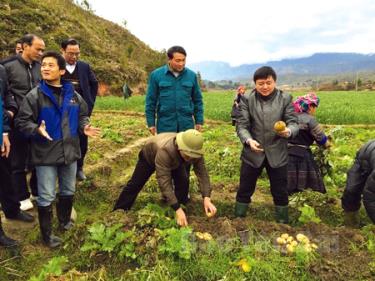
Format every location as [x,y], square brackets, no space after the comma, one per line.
[22,216]
[81,175]
[45,223]
[5,241]
[64,207]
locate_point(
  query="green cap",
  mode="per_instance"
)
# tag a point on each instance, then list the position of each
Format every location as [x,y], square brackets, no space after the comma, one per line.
[191,143]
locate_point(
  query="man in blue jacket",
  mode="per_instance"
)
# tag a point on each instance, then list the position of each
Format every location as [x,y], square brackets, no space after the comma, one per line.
[52,115]
[85,83]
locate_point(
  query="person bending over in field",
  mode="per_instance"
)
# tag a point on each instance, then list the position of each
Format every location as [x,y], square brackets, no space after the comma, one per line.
[303,172]
[360,183]
[263,145]
[167,154]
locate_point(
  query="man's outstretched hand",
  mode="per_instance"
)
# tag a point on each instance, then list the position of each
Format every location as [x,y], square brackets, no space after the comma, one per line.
[42,130]
[91,131]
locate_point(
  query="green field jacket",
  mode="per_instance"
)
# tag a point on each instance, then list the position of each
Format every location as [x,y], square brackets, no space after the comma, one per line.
[173,104]
[256,120]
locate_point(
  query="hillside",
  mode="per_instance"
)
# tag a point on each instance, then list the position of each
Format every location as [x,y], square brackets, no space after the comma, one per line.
[116,55]
[320,64]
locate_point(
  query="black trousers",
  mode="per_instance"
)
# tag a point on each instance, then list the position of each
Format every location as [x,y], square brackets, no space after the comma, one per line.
[19,157]
[8,197]
[141,174]
[278,181]
[83,143]
[355,183]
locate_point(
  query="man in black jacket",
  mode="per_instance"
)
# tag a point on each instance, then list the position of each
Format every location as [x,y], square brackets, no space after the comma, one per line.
[23,73]
[85,83]
[8,196]
[360,184]
[8,199]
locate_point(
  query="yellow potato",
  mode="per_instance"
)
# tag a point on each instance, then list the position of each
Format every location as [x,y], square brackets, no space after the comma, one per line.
[294,243]
[246,267]
[207,236]
[307,248]
[280,241]
[284,236]
[199,235]
[314,246]
[279,126]
[290,249]
[210,215]
[300,237]
[290,239]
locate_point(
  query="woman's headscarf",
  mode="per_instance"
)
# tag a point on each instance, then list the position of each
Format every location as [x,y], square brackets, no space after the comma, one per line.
[302,103]
[241,87]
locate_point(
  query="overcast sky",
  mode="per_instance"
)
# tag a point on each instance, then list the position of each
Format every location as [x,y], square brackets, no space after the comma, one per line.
[245,31]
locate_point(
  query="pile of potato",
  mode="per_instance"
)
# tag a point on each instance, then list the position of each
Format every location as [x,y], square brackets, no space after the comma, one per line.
[288,243]
[204,236]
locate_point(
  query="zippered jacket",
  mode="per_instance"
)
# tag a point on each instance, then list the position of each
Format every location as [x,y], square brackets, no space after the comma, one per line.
[360,182]
[63,124]
[22,77]
[173,104]
[256,121]
[161,151]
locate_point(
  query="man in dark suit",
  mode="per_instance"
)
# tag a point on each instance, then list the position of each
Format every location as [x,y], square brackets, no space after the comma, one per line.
[85,83]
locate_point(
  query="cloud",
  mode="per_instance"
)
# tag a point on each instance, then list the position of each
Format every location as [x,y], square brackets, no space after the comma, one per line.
[241,31]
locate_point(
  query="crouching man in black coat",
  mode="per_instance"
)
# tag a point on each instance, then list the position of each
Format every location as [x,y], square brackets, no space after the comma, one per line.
[360,184]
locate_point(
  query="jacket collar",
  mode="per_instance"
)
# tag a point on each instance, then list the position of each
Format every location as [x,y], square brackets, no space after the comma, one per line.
[168,69]
[21,60]
[67,91]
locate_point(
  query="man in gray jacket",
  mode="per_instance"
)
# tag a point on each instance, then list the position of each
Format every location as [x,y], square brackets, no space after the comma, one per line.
[262,145]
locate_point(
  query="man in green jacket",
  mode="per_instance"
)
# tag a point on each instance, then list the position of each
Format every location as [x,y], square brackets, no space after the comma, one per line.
[165,154]
[174,99]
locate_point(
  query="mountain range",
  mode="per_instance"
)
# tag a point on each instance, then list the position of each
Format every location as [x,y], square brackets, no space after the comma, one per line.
[319,64]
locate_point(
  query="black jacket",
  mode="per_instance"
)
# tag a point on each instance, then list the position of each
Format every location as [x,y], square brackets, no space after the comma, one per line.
[63,123]
[22,77]
[361,181]
[88,84]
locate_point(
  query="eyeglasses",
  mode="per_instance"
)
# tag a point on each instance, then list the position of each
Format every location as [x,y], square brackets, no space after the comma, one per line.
[70,54]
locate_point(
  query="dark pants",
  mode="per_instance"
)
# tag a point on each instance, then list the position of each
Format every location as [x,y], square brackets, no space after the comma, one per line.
[278,180]
[141,174]
[8,197]
[83,143]
[355,183]
[19,157]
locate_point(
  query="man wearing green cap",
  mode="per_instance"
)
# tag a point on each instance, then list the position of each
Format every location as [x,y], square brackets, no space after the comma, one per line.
[164,154]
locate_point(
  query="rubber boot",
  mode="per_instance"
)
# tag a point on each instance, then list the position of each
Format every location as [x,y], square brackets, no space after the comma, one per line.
[5,241]
[64,207]
[281,214]
[240,209]
[45,223]
[351,219]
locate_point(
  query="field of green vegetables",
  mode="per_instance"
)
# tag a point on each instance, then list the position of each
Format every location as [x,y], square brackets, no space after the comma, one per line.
[335,107]
[146,244]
